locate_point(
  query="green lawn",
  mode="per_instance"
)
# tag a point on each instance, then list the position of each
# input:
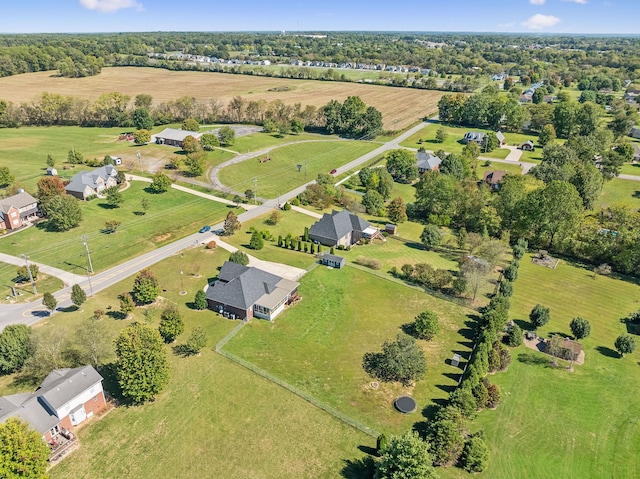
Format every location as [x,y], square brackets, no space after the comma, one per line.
[211,411]
[280,174]
[260,140]
[553,423]
[512,168]
[318,344]
[631,169]
[291,222]
[8,277]
[171,215]
[619,191]
[451,144]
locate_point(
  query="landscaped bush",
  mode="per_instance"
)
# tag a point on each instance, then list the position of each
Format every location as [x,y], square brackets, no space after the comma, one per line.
[514,336]
[494,395]
[475,455]
[506,288]
[511,272]
[211,245]
[426,325]
[368,262]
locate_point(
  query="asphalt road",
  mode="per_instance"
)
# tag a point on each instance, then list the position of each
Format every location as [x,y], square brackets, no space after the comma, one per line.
[31,313]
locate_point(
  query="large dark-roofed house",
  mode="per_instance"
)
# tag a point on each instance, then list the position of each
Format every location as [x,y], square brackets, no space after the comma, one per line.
[88,183]
[341,228]
[243,292]
[427,162]
[66,398]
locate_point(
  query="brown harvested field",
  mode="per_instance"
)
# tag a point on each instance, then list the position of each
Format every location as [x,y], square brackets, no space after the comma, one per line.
[400,107]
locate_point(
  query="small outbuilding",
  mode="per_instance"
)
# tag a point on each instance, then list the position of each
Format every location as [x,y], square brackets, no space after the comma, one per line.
[456,360]
[527,146]
[391,229]
[51,171]
[332,261]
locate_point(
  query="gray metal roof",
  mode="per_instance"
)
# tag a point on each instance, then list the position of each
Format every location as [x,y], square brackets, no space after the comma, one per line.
[500,136]
[20,200]
[427,161]
[89,178]
[177,135]
[473,136]
[333,257]
[242,287]
[337,225]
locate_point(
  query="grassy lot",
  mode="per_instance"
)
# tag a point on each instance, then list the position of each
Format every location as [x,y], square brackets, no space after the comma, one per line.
[451,144]
[631,169]
[210,407]
[260,140]
[292,222]
[621,191]
[8,277]
[281,175]
[400,107]
[171,215]
[318,344]
[553,423]
[512,168]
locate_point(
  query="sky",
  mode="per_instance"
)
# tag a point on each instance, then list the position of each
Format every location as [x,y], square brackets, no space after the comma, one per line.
[536,16]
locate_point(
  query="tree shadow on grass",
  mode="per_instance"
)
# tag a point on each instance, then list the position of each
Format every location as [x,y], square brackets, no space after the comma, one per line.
[372,451]
[110,382]
[534,359]
[116,315]
[524,325]
[358,469]
[608,352]
[448,388]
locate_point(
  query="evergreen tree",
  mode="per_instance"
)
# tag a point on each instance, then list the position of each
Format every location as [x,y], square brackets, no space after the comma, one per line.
[145,287]
[200,301]
[78,296]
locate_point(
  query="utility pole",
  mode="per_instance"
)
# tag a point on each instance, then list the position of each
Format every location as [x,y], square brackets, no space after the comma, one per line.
[255,190]
[90,285]
[33,283]
[305,171]
[86,247]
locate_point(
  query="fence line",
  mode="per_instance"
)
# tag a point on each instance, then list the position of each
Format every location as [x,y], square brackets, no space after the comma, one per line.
[228,337]
[298,392]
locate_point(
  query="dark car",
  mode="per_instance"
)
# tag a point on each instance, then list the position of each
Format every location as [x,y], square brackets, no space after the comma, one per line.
[205,228]
[333,172]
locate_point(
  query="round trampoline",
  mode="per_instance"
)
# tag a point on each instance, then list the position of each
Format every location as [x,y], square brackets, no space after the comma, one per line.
[406,404]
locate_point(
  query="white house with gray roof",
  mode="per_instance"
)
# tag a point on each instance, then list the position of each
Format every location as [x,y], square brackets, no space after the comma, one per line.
[88,183]
[242,292]
[64,400]
[341,228]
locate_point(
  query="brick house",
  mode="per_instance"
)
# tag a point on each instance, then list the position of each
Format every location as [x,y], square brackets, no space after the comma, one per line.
[64,400]
[88,183]
[17,210]
[242,292]
[173,137]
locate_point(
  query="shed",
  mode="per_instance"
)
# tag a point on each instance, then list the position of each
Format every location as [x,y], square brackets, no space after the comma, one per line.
[527,146]
[51,171]
[456,360]
[391,229]
[332,260]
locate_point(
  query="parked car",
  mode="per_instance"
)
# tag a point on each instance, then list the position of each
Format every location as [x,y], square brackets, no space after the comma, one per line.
[205,228]
[333,172]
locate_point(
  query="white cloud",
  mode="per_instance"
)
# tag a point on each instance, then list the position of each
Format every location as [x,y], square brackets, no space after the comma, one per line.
[540,22]
[537,2]
[110,5]
[581,2]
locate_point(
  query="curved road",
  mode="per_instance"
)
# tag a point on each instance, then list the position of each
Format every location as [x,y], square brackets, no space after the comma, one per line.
[31,313]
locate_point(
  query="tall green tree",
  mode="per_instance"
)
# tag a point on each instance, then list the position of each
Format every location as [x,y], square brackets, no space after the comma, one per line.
[114,197]
[401,164]
[200,301]
[431,237]
[580,327]
[49,302]
[161,183]
[171,324]
[15,347]
[401,360]
[373,203]
[625,344]
[197,340]
[78,296]
[397,210]
[6,178]
[257,241]
[227,136]
[145,287]
[405,457]
[141,119]
[64,213]
[426,325]
[23,453]
[231,224]
[142,368]
[539,316]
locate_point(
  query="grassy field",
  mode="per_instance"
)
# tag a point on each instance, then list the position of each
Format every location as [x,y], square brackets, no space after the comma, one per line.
[8,277]
[212,410]
[553,423]
[511,168]
[171,215]
[318,344]
[281,174]
[631,169]
[260,140]
[400,107]
[451,144]
[618,191]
